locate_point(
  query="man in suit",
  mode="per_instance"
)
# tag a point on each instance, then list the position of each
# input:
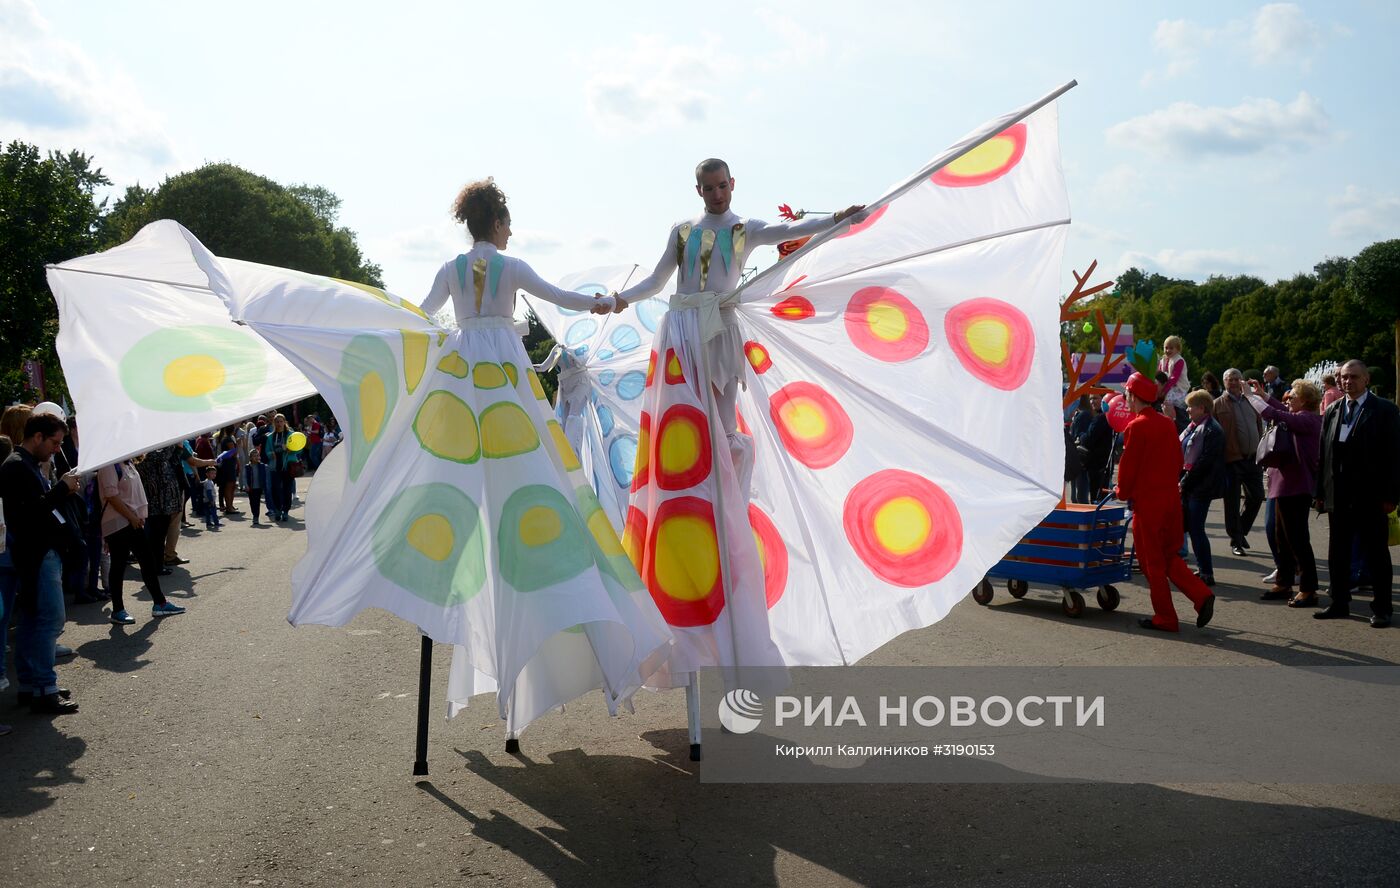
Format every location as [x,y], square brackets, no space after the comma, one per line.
[1358,484]
[1243,428]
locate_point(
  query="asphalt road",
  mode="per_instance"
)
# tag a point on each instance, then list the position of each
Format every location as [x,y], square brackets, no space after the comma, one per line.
[224,747]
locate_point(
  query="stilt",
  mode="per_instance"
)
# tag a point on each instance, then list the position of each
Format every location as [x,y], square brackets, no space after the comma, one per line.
[692,712]
[425,686]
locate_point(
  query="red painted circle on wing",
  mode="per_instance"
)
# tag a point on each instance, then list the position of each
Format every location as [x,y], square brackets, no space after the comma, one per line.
[884,324]
[813,426]
[927,561]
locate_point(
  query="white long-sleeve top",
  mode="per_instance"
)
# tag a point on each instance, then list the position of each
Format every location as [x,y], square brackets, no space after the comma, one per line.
[710,252]
[482,283]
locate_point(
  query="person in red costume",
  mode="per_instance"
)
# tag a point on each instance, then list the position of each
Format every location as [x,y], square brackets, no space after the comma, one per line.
[1147,479]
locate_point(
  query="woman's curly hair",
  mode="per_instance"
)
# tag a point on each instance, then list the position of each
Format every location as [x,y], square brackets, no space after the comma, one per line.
[481,205]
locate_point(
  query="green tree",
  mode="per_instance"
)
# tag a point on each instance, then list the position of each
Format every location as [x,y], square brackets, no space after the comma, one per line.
[242,215]
[1375,279]
[538,345]
[48,213]
[124,219]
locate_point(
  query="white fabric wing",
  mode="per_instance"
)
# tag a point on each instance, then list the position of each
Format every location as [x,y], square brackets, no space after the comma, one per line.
[904,392]
[601,377]
[149,351]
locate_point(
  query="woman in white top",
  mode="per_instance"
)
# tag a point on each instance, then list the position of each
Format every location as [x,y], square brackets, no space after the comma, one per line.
[482,282]
[123,520]
[535,488]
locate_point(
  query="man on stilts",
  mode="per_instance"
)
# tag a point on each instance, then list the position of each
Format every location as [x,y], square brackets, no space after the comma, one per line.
[688,530]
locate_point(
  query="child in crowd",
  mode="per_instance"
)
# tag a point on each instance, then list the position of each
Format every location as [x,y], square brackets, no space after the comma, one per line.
[255,481]
[211,499]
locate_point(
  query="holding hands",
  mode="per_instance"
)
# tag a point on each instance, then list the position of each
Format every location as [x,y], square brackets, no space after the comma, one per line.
[615,304]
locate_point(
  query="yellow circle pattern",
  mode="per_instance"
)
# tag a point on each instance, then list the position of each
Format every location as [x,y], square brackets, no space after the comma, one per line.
[506,431]
[192,376]
[431,535]
[902,525]
[686,558]
[447,429]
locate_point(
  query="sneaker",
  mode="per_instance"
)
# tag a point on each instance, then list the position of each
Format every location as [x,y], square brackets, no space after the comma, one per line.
[1271,578]
[62,650]
[5,729]
[26,698]
[1238,550]
[52,704]
[122,618]
[166,610]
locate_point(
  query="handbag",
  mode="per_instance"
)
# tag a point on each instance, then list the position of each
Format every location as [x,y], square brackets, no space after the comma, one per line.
[1276,447]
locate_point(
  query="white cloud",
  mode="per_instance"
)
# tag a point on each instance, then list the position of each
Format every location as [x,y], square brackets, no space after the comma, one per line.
[1281,33]
[1119,185]
[1362,214]
[54,95]
[1099,235]
[655,84]
[1194,264]
[1277,34]
[1181,42]
[425,243]
[797,47]
[1185,129]
[533,241]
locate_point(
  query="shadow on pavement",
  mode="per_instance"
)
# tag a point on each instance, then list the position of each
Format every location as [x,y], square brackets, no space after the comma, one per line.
[122,649]
[631,820]
[37,757]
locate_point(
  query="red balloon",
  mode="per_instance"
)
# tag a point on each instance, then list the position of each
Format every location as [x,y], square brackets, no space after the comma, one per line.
[1115,408]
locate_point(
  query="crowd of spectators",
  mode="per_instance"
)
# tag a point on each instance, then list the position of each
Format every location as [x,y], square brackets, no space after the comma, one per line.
[1327,445]
[72,536]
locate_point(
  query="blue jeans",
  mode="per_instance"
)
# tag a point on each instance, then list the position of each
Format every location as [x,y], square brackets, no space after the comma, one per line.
[40,625]
[9,585]
[1195,509]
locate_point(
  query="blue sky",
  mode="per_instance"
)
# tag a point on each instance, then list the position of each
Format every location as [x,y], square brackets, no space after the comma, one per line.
[1203,138]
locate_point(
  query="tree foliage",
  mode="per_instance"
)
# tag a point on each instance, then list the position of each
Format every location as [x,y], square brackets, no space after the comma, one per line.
[1240,321]
[48,214]
[242,215]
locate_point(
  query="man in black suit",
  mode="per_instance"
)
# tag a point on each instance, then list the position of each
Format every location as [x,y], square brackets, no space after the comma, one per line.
[1358,484]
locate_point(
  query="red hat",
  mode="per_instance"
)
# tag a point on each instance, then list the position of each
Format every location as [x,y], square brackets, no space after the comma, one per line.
[1141,387]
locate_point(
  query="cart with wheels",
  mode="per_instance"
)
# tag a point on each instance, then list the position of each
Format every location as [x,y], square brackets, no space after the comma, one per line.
[1076,547]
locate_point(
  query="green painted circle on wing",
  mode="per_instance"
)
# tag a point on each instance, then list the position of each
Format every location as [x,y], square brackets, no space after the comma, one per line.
[369,382]
[444,565]
[533,558]
[146,370]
